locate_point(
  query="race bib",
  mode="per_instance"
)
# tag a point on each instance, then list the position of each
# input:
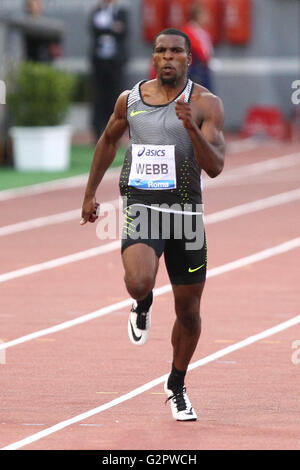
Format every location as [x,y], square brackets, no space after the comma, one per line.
[153,167]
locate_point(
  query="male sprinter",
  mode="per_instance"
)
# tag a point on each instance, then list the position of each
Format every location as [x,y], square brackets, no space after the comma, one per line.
[175,132]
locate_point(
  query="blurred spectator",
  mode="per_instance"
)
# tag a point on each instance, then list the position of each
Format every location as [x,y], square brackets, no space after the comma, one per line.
[42,37]
[108,29]
[202,47]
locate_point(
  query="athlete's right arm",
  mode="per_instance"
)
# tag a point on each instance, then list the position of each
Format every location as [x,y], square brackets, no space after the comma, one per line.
[104,155]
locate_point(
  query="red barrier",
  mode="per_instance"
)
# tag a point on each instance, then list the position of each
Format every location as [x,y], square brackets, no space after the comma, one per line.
[265,121]
[153,17]
[237,21]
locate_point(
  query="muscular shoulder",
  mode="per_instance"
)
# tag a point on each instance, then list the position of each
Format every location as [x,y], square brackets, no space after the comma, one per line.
[206,104]
[120,110]
[123,96]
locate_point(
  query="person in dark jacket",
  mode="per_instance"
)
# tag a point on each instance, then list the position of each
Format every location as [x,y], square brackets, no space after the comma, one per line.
[108,28]
[42,36]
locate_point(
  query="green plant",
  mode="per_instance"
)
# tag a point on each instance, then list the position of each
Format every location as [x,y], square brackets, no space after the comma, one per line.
[39,94]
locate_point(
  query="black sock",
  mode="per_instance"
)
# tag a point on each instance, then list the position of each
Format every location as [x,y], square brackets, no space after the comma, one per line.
[145,304]
[176,378]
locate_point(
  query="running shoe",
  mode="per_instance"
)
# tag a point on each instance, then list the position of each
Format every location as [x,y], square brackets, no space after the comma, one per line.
[139,324]
[181,407]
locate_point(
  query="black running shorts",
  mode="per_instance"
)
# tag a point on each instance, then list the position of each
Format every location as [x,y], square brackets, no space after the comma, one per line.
[180,236]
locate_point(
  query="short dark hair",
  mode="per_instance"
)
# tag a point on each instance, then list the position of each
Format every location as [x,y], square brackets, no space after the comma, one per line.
[175,32]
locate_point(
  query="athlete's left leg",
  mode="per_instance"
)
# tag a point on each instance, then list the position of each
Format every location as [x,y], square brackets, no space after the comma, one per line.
[185,336]
[187,327]
[187,272]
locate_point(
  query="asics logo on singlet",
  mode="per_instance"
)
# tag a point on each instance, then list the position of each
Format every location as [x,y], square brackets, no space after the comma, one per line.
[152,152]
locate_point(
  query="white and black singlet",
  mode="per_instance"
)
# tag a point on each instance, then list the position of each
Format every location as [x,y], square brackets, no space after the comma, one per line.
[161,179]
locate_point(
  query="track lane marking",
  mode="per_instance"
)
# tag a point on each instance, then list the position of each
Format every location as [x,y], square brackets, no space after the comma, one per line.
[225,268]
[226,214]
[54,263]
[153,383]
[253,169]
[227,177]
[241,145]
[267,202]
[54,185]
[47,220]
[253,206]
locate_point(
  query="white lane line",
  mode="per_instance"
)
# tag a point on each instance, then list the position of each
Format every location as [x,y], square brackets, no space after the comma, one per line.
[284,161]
[153,383]
[253,206]
[233,265]
[48,220]
[68,324]
[40,222]
[54,263]
[228,177]
[40,188]
[68,216]
[55,185]
[246,171]
[219,216]
[81,180]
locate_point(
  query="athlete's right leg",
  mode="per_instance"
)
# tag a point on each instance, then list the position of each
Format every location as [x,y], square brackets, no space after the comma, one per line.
[141,251]
[140,264]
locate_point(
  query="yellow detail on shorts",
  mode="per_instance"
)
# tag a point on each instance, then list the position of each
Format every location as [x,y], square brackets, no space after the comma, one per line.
[196,269]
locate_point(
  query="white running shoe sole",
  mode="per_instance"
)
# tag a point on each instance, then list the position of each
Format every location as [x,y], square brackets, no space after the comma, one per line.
[188,414]
[137,336]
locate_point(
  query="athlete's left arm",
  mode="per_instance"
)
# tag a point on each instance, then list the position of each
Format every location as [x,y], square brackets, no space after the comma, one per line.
[204,120]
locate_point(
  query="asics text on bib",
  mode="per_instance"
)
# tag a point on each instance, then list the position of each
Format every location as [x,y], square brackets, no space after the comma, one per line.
[153,167]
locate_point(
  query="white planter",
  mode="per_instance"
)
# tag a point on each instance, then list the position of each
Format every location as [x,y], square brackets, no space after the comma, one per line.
[41,148]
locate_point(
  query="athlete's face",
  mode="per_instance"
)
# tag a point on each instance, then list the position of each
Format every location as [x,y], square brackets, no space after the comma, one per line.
[171,58]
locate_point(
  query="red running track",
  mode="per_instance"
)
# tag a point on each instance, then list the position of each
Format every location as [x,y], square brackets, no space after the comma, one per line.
[246,398]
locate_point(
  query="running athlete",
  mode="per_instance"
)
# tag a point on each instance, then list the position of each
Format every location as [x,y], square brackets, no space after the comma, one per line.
[175,129]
